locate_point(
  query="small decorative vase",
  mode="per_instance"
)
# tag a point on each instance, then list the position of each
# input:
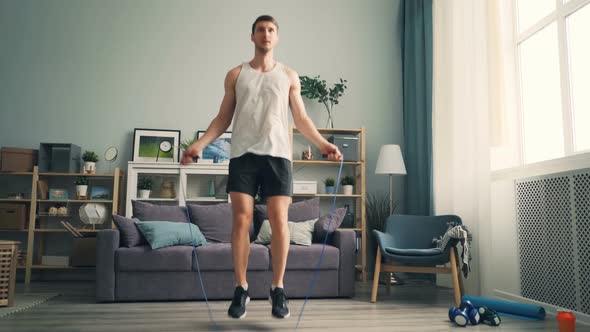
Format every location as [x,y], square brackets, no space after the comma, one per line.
[82,191]
[347,189]
[330,190]
[143,193]
[307,155]
[167,190]
[89,167]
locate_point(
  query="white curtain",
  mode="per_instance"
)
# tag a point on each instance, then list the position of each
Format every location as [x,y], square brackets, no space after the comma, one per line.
[463,94]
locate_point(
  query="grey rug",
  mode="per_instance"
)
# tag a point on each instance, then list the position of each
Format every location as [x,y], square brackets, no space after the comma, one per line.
[24,301]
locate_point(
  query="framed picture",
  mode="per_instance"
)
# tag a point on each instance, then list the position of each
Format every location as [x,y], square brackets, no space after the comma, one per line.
[58,194]
[102,193]
[156,145]
[218,152]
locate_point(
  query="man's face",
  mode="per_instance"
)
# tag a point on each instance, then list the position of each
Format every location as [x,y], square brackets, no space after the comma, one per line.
[265,36]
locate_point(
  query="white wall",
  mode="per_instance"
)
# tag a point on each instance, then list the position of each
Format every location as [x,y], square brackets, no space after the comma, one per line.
[89,72]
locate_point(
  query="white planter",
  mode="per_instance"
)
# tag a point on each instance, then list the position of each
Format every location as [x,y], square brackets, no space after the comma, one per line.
[82,191]
[143,194]
[89,167]
[347,190]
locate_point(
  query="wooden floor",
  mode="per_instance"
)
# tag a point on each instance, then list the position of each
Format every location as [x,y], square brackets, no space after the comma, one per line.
[416,306]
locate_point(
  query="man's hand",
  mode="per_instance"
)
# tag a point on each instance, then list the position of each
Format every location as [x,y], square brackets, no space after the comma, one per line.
[331,151]
[188,156]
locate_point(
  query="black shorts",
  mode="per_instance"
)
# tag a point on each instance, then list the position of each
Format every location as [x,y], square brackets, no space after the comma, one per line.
[252,174]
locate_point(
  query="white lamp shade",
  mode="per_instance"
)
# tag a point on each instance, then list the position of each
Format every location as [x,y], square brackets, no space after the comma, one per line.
[390,160]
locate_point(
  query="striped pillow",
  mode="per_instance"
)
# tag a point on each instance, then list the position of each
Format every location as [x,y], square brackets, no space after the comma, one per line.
[299,232]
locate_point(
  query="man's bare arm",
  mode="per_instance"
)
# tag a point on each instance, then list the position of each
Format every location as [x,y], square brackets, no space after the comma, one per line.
[221,122]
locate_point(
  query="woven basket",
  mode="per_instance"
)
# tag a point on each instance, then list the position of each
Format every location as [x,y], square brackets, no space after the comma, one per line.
[8,257]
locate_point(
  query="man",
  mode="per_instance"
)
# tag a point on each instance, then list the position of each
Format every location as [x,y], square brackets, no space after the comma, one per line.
[258,95]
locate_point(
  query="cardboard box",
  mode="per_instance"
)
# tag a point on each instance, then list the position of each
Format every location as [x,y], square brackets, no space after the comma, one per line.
[55,260]
[18,159]
[348,145]
[305,187]
[13,216]
[83,251]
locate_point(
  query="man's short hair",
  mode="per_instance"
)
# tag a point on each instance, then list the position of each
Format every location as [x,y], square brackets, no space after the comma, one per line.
[265,18]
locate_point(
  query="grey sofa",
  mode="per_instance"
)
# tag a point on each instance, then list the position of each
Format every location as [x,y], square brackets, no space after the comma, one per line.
[138,273]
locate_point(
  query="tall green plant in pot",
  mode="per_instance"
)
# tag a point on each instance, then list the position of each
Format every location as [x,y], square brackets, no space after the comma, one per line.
[316,88]
[377,211]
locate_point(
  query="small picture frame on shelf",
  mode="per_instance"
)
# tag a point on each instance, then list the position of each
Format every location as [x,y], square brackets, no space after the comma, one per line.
[156,145]
[218,152]
[100,193]
[58,194]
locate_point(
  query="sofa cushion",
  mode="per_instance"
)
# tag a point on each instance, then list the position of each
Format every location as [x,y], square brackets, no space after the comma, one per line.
[161,234]
[143,258]
[214,221]
[325,226]
[299,211]
[306,258]
[155,212]
[218,257]
[130,235]
[300,233]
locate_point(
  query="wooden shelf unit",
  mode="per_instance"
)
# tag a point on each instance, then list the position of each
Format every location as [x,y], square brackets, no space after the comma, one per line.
[185,177]
[37,221]
[359,196]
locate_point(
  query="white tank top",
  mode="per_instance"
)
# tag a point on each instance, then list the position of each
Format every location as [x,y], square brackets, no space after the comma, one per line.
[261,116]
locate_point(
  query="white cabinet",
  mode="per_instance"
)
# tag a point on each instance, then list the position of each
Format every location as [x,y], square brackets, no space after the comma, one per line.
[175,184]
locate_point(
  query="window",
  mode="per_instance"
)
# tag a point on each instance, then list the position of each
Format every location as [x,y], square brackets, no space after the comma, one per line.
[578,25]
[554,77]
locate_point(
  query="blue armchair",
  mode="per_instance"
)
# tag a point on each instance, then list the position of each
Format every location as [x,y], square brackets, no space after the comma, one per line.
[407,246]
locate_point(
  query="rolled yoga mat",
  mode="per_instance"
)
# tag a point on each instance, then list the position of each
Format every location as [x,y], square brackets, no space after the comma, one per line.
[505,308]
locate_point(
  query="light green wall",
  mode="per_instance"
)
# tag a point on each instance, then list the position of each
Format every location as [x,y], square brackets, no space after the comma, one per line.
[88,72]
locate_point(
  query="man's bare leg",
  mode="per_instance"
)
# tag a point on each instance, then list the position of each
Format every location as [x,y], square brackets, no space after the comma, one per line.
[242,205]
[278,209]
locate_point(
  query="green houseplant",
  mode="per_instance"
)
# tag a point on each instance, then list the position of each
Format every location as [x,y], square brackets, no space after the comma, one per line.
[377,212]
[316,88]
[81,183]
[347,183]
[144,186]
[329,182]
[90,158]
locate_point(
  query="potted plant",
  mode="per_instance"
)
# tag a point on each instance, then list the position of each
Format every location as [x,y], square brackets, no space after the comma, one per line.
[81,187]
[377,212]
[315,88]
[347,183]
[144,186]
[90,158]
[329,182]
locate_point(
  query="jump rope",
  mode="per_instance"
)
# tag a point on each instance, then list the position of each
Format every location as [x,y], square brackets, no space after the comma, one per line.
[316,269]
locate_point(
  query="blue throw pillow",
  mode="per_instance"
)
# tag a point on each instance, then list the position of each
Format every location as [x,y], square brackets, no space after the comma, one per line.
[161,234]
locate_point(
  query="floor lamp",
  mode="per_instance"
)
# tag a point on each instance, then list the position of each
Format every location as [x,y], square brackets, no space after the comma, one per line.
[391,162]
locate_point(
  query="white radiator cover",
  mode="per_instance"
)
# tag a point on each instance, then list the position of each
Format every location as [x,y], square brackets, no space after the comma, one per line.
[553,230]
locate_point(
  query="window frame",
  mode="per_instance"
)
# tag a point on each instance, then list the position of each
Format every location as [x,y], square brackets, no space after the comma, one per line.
[559,15]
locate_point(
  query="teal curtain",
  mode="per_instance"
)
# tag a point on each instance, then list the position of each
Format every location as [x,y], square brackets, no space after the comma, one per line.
[417,90]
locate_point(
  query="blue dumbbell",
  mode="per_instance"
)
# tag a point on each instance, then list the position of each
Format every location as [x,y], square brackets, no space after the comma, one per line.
[471,311]
[490,316]
[458,316]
